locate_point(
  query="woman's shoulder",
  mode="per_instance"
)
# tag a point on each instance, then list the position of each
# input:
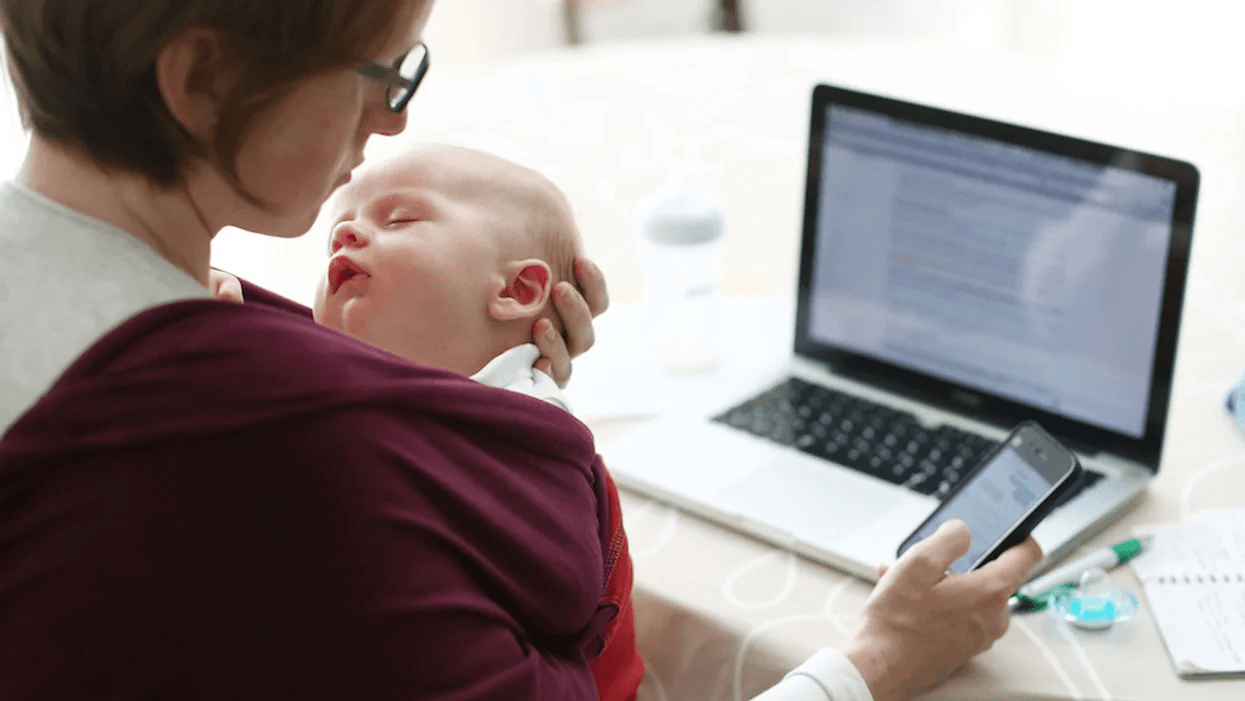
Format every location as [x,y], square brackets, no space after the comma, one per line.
[268,344]
[222,366]
[241,358]
[200,361]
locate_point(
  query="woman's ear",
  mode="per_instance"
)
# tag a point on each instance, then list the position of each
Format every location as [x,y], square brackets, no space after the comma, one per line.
[524,291]
[194,73]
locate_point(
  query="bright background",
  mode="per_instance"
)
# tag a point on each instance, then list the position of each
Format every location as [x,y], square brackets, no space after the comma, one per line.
[1151,45]
[1188,51]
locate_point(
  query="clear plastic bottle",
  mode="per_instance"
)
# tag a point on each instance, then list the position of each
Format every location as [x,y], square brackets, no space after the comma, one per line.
[681,239]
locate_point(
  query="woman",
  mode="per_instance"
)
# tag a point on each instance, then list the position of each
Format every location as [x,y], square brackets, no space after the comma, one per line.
[207,500]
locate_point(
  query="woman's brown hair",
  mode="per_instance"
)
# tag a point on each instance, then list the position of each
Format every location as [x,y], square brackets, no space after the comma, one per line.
[84,70]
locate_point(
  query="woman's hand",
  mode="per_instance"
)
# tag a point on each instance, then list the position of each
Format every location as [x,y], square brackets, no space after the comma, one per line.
[577,312]
[922,623]
[224,286]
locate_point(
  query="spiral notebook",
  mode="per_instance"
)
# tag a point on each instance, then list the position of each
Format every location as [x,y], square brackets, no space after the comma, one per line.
[1193,575]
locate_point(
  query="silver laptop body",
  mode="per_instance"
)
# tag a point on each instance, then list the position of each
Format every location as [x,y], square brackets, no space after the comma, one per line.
[957,275]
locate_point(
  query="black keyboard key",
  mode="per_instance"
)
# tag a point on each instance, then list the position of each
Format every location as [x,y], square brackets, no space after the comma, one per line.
[860,434]
[782,435]
[928,485]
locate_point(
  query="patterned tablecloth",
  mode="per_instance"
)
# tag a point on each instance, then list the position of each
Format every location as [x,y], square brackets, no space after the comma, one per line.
[721,615]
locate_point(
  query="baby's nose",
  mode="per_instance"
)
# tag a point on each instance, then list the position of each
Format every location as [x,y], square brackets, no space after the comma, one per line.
[345,235]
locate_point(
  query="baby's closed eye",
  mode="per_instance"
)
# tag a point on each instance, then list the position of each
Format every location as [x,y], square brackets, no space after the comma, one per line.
[399,218]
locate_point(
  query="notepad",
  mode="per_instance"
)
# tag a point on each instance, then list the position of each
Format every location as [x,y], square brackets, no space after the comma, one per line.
[1193,575]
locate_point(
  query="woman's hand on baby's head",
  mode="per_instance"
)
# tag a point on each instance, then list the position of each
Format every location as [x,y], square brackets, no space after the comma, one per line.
[577,311]
[224,286]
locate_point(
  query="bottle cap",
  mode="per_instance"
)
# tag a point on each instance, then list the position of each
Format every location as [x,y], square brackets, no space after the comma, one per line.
[680,218]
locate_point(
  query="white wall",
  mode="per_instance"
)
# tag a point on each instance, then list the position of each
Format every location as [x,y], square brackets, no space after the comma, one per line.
[1148,46]
[463,34]
[979,22]
[13,139]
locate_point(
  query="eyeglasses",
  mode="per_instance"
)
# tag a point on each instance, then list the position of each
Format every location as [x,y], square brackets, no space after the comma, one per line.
[401,79]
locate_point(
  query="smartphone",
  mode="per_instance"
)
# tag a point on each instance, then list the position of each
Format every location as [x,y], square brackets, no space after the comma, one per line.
[1005,497]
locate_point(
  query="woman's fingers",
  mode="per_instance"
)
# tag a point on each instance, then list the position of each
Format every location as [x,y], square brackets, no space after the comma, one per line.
[928,560]
[576,310]
[592,282]
[577,317]
[555,360]
[1011,569]
[929,623]
[224,286]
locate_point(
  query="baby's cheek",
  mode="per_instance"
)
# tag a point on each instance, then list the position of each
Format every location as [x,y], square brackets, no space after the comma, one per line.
[318,310]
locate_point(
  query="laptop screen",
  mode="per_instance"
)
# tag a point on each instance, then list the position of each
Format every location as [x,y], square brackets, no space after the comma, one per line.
[1018,271]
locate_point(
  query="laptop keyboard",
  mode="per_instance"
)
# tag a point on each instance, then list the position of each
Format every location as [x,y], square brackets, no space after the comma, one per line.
[866,436]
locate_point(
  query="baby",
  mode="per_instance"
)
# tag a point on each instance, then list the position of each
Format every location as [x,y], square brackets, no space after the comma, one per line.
[447,257]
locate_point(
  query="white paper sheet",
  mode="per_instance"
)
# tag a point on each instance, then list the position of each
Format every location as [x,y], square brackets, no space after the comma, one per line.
[1193,574]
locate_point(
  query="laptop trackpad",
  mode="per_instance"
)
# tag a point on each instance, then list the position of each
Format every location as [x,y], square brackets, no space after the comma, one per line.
[824,505]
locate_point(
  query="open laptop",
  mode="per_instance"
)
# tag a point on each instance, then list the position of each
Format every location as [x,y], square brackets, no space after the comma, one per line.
[957,275]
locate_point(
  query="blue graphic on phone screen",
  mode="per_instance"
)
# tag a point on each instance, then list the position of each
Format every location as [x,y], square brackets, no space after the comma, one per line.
[992,501]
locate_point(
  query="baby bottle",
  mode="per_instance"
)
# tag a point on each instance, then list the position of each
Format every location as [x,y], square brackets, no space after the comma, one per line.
[681,236]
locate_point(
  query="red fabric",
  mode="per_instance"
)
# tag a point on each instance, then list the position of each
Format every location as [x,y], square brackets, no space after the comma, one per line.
[619,669]
[225,500]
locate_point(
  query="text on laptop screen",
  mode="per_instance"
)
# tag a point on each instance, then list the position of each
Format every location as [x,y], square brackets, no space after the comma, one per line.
[1031,276]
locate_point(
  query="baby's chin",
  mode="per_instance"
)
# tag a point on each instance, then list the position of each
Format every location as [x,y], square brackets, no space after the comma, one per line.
[328,314]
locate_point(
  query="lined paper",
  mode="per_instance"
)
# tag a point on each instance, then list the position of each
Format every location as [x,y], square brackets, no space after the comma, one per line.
[1193,574]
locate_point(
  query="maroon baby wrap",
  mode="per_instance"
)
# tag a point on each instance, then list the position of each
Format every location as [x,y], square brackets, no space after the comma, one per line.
[225,500]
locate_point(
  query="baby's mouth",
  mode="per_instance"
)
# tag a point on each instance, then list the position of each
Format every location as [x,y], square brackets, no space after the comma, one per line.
[341,271]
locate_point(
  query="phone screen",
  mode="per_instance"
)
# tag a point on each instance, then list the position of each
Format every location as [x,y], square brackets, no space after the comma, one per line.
[994,500]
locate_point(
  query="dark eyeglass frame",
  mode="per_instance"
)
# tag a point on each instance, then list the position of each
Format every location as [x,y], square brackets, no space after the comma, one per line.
[398,88]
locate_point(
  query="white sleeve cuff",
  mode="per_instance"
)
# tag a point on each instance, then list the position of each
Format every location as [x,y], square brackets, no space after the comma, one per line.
[826,676]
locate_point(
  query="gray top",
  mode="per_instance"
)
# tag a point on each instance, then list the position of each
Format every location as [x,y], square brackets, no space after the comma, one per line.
[66,279]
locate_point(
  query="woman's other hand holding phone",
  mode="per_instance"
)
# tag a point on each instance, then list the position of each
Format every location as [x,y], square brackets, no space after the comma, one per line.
[922,623]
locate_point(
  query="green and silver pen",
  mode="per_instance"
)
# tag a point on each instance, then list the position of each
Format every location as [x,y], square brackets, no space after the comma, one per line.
[1032,596]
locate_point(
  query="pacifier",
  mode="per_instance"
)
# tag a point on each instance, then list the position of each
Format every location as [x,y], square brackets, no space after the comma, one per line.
[1093,605]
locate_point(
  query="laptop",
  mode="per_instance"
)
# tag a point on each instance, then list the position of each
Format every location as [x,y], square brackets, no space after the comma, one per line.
[957,275]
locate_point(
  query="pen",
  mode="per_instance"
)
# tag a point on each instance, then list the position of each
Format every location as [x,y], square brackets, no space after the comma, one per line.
[1032,596]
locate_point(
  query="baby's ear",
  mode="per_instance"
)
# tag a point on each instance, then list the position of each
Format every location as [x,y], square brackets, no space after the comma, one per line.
[524,292]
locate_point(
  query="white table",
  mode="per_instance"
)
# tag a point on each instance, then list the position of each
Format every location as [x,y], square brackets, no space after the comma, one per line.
[721,615]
